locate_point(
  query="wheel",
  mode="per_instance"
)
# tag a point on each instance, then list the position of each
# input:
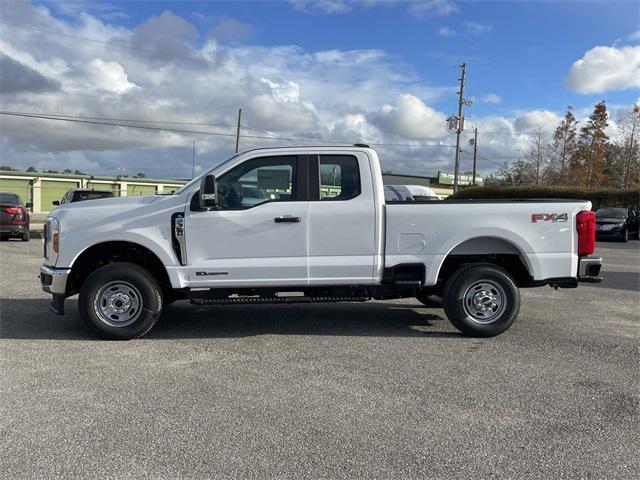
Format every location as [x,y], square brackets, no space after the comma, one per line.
[624,235]
[120,301]
[481,300]
[26,236]
[429,299]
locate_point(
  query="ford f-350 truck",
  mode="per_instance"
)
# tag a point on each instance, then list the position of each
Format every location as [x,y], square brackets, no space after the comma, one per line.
[309,224]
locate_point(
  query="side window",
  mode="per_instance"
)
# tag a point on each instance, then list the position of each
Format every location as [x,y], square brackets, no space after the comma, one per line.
[257,181]
[339,177]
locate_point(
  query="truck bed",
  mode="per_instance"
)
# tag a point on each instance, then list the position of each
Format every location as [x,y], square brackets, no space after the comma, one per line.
[541,231]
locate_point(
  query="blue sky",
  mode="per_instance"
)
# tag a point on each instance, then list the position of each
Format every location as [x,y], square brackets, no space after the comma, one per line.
[524,54]
[381,71]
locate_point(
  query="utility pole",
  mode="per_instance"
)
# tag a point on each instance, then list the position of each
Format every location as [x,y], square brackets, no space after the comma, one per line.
[238,130]
[193,160]
[475,152]
[463,69]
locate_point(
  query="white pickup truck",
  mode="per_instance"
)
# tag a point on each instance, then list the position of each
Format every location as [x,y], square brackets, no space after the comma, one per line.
[309,224]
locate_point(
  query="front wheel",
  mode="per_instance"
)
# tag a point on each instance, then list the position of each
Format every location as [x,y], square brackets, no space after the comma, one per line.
[481,300]
[120,301]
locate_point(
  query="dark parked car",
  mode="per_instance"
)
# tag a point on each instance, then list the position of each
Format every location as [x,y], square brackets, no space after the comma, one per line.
[14,217]
[617,224]
[81,194]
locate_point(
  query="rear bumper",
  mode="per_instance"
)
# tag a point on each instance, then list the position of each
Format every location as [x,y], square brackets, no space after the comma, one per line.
[14,229]
[589,269]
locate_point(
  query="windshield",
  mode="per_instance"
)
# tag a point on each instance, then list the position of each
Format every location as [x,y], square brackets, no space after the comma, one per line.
[92,195]
[611,213]
[196,180]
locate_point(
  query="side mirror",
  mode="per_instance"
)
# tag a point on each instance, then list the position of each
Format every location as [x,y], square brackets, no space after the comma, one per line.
[29,205]
[208,192]
[56,202]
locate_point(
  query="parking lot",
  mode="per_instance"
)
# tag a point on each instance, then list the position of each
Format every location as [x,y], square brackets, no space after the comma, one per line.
[375,390]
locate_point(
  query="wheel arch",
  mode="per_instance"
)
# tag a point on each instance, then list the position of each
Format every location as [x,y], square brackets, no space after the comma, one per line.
[492,249]
[112,251]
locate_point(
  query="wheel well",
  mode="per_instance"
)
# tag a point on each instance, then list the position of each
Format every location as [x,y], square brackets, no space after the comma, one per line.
[105,253]
[512,263]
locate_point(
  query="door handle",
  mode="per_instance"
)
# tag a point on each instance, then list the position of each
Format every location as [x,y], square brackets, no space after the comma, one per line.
[287,219]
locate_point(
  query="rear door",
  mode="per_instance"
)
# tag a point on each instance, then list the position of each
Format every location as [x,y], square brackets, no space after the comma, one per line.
[341,220]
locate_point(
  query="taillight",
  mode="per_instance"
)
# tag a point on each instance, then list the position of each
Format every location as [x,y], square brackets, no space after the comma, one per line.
[586,227]
[17,211]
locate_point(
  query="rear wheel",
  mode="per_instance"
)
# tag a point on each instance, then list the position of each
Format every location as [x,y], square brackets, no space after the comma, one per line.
[26,236]
[481,300]
[120,301]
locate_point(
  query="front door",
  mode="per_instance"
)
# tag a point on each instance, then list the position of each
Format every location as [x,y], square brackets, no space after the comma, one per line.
[258,234]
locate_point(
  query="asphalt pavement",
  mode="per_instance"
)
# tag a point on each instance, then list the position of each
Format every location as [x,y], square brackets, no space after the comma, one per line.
[376,390]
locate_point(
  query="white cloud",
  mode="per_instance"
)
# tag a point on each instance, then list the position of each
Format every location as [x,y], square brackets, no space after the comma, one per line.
[491,98]
[416,8]
[475,28]
[432,8]
[109,76]
[543,120]
[410,118]
[446,32]
[603,69]
[321,6]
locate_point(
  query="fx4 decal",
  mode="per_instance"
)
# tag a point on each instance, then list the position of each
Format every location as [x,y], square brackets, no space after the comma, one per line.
[549,217]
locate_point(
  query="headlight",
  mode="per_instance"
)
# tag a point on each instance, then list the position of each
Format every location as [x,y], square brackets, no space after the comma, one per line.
[52,238]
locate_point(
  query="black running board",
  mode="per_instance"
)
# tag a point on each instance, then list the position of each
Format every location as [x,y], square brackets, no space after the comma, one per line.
[267,300]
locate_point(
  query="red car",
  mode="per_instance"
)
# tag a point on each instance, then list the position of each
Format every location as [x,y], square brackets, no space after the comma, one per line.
[14,217]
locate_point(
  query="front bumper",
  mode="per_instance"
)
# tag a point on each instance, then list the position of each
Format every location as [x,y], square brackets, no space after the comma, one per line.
[54,280]
[589,269]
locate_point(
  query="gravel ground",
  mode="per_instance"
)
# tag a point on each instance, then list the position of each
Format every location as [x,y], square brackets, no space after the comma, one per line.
[375,390]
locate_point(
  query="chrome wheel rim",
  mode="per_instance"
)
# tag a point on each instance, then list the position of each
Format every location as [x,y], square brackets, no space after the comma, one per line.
[118,304]
[484,301]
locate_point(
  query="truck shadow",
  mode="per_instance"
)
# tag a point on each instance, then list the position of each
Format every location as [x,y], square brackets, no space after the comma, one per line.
[31,319]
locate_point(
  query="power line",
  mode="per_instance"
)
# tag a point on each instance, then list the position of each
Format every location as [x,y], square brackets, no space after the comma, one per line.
[83,117]
[116,123]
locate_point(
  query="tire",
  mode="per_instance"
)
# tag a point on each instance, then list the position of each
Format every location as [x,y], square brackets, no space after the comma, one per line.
[624,235]
[26,236]
[428,299]
[481,300]
[120,301]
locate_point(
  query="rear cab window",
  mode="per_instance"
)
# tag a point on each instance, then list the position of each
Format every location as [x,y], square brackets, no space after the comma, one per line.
[339,177]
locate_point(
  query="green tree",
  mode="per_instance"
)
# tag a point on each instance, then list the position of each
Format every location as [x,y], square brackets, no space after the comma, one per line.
[31,169]
[7,168]
[140,175]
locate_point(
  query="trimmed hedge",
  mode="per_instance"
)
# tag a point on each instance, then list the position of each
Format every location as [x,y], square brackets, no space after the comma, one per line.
[606,197]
